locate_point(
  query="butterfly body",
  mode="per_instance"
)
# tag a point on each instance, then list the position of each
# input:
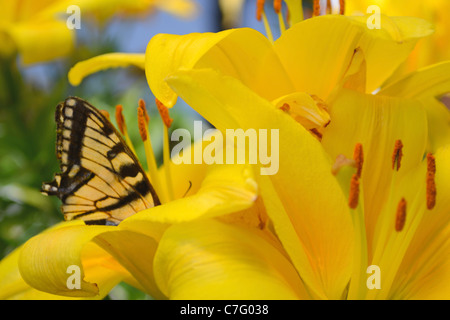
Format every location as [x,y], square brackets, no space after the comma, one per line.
[101,180]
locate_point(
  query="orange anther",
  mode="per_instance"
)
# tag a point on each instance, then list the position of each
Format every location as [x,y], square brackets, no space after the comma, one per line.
[400,217]
[120,119]
[277,5]
[259,9]
[105,114]
[164,112]
[285,107]
[141,104]
[397,155]
[317,133]
[316,8]
[142,123]
[354,192]
[341,7]
[358,156]
[431,183]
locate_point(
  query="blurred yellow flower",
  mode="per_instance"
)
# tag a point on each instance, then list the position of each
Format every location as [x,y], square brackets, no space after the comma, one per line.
[39,32]
[430,50]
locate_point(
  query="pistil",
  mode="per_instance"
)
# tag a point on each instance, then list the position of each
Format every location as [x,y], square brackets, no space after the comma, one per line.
[277,7]
[357,283]
[260,14]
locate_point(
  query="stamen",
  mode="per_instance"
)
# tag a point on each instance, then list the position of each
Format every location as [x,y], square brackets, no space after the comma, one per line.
[308,110]
[341,7]
[397,155]
[316,8]
[123,127]
[149,153]
[400,217]
[164,112]
[277,8]
[285,107]
[120,120]
[329,7]
[277,5]
[105,114]
[141,105]
[288,16]
[320,103]
[267,27]
[431,183]
[317,133]
[259,9]
[358,156]
[354,192]
[431,164]
[142,123]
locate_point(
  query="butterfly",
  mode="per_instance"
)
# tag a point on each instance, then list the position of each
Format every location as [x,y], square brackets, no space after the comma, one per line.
[101,180]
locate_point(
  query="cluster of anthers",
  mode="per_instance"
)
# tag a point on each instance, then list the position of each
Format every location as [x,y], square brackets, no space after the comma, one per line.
[294,9]
[357,162]
[164,190]
[349,174]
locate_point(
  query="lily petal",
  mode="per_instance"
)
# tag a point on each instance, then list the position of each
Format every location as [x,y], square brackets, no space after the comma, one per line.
[314,209]
[56,40]
[135,252]
[317,52]
[13,287]
[225,189]
[212,260]
[428,85]
[242,53]
[45,258]
[105,61]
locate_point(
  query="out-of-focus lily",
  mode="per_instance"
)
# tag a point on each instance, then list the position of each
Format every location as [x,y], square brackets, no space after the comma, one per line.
[430,50]
[39,32]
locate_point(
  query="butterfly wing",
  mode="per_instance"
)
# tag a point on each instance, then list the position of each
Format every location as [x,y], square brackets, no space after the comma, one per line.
[101,180]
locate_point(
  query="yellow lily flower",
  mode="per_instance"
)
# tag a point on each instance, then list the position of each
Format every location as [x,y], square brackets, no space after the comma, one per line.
[311,214]
[39,32]
[320,70]
[236,79]
[103,256]
[430,50]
